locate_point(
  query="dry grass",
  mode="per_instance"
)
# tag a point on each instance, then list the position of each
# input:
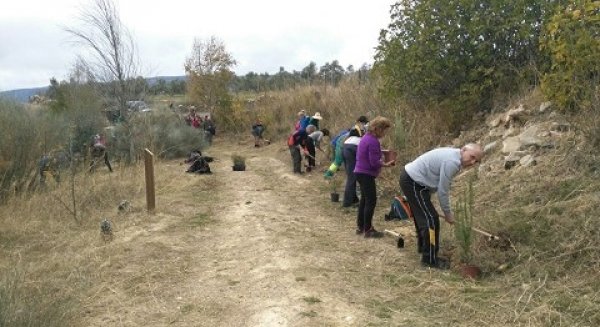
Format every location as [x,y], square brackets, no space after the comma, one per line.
[53,266]
[58,271]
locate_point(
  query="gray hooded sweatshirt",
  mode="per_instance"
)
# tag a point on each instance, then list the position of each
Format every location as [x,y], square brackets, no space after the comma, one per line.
[435,170]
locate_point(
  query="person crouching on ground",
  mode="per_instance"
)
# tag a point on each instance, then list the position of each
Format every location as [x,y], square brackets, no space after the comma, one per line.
[297,143]
[98,152]
[433,172]
[257,130]
[367,168]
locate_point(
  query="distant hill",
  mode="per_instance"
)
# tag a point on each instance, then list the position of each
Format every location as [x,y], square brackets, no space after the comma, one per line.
[153,80]
[23,95]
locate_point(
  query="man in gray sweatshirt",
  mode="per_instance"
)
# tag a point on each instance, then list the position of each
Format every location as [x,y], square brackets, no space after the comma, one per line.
[429,173]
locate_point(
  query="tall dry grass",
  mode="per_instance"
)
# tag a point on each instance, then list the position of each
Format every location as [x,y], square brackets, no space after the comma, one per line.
[48,259]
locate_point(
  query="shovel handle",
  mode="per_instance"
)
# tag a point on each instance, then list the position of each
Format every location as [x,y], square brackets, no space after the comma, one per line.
[387,231]
[486,234]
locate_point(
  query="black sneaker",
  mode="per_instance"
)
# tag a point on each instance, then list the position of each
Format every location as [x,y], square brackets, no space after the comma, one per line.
[440,263]
[419,245]
[372,233]
[359,231]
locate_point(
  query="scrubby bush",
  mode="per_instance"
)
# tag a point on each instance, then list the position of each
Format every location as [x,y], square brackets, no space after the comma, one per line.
[161,132]
[19,147]
[572,39]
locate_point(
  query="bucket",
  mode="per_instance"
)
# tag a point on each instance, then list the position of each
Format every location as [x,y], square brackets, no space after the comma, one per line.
[335,197]
[470,271]
[389,155]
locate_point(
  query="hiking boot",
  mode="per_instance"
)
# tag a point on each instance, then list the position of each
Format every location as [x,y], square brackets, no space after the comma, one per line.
[372,233]
[440,263]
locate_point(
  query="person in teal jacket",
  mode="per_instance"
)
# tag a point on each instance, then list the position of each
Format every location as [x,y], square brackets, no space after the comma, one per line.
[338,159]
[338,144]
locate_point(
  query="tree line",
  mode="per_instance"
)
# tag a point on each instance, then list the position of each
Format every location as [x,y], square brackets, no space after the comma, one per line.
[463,55]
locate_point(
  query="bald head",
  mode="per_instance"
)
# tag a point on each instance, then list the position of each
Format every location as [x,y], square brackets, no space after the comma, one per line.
[470,154]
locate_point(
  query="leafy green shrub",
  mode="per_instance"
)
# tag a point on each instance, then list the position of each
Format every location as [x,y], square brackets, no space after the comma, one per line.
[572,39]
[456,56]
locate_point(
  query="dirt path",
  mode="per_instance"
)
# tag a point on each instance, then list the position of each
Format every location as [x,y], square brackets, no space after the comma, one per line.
[262,247]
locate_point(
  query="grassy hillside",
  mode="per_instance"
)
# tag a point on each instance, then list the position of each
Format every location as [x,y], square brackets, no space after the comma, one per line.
[544,272]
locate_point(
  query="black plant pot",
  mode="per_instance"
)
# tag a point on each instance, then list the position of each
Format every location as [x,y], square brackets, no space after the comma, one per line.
[335,197]
[239,167]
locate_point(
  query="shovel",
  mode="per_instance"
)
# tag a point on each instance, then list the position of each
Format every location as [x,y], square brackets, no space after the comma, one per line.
[486,234]
[489,236]
[400,243]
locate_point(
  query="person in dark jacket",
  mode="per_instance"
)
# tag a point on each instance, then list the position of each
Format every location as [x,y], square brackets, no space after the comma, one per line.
[298,142]
[368,165]
[349,154]
[257,130]
[98,152]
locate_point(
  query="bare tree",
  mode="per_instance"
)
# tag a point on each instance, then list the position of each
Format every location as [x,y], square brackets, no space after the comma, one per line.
[111,49]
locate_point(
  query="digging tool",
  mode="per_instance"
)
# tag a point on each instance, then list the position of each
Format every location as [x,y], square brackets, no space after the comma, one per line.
[486,234]
[400,243]
[318,163]
[490,237]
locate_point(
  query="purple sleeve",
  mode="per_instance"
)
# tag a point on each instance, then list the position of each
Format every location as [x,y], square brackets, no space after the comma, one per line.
[375,155]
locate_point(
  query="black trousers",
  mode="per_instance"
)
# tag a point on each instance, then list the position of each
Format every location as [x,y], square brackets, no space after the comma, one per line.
[296,159]
[368,200]
[349,154]
[427,220]
[310,146]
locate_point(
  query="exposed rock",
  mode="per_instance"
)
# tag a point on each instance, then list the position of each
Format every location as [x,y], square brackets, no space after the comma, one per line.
[495,122]
[511,144]
[511,131]
[496,132]
[560,127]
[527,161]
[490,146]
[545,106]
[510,161]
[530,137]
[515,114]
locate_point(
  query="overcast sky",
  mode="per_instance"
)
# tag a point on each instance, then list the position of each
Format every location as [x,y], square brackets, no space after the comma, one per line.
[262,35]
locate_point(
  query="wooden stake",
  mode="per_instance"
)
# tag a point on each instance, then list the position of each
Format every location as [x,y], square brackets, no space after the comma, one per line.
[149,167]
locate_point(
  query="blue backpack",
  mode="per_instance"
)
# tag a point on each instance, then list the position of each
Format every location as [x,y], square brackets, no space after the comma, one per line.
[341,135]
[399,209]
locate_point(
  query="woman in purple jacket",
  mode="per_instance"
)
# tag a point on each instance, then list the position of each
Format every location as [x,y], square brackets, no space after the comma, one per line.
[368,165]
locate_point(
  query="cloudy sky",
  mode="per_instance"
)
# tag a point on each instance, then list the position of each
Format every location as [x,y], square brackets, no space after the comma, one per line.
[262,35]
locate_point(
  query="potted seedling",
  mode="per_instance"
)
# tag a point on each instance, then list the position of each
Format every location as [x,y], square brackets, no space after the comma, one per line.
[463,231]
[334,183]
[239,162]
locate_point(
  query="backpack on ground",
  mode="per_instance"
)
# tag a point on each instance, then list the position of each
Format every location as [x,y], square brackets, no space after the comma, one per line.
[200,165]
[399,209]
